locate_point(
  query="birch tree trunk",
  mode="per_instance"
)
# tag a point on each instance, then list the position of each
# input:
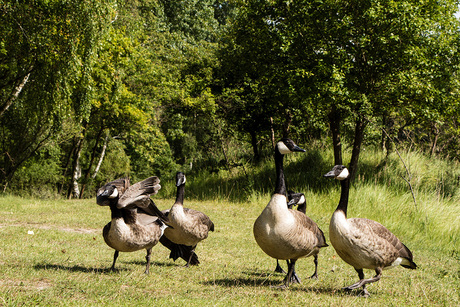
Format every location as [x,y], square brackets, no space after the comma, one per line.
[15,94]
[101,158]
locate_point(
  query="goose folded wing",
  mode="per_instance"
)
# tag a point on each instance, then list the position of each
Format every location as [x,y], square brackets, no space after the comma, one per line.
[201,217]
[382,232]
[308,223]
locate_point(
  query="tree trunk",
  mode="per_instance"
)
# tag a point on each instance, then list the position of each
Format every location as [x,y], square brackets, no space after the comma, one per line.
[66,165]
[334,122]
[76,164]
[287,124]
[91,162]
[358,140]
[272,132]
[76,172]
[255,148]
[101,158]
[15,94]
[435,131]
[387,132]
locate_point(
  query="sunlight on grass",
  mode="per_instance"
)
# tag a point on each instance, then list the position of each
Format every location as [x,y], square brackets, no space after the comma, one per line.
[65,261]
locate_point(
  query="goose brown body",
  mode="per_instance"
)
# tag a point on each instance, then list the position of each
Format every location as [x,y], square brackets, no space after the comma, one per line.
[366,244]
[283,233]
[131,228]
[277,231]
[188,226]
[363,243]
[127,234]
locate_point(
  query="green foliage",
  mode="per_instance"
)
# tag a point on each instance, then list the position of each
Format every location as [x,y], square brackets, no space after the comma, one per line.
[38,177]
[202,85]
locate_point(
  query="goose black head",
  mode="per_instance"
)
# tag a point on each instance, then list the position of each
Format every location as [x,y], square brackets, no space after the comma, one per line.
[285,146]
[180,179]
[106,194]
[295,199]
[339,172]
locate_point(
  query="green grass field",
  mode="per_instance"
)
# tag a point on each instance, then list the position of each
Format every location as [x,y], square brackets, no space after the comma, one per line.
[65,261]
[52,253]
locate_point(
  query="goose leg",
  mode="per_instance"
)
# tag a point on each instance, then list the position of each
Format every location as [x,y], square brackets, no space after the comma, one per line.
[315,275]
[192,252]
[278,268]
[291,272]
[362,282]
[115,256]
[147,258]
[295,279]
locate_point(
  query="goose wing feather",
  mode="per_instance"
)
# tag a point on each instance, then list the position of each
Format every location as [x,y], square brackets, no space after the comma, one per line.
[389,242]
[139,193]
[307,223]
[200,217]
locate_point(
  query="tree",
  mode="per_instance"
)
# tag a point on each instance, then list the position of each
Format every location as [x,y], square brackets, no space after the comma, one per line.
[349,62]
[45,50]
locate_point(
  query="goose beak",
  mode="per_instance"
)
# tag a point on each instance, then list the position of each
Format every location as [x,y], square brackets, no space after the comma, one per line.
[330,174]
[291,202]
[298,149]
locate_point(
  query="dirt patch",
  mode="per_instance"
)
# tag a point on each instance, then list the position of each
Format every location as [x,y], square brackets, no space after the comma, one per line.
[53,227]
[40,284]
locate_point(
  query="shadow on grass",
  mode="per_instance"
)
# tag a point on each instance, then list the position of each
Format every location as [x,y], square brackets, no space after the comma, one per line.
[258,279]
[118,267]
[73,268]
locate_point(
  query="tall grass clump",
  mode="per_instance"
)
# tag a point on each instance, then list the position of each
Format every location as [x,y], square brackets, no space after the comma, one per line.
[414,195]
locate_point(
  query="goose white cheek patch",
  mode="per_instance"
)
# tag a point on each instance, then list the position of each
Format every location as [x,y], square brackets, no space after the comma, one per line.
[343,174]
[283,148]
[114,194]
[302,200]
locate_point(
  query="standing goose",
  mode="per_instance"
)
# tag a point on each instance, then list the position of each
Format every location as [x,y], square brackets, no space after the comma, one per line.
[129,229]
[138,197]
[188,226]
[294,199]
[363,243]
[284,233]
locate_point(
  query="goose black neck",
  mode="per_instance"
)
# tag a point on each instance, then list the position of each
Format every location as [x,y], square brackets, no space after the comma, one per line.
[280,186]
[343,203]
[128,215]
[180,194]
[116,213]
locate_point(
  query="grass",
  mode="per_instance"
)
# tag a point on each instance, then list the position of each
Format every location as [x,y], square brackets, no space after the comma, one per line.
[65,261]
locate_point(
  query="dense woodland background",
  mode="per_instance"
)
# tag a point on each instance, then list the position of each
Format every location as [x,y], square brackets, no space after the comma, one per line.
[92,90]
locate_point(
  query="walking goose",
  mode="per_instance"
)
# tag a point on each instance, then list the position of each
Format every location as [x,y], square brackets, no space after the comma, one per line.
[294,199]
[284,233]
[363,243]
[188,226]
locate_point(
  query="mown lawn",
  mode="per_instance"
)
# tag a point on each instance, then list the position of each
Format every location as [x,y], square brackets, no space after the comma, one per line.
[52,252]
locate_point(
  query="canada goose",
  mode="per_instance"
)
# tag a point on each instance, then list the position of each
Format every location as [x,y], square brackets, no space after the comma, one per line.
[146,208]
[284,233]
[363,243]
[297,199]
[129,229]
[294,199]
[188,226]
